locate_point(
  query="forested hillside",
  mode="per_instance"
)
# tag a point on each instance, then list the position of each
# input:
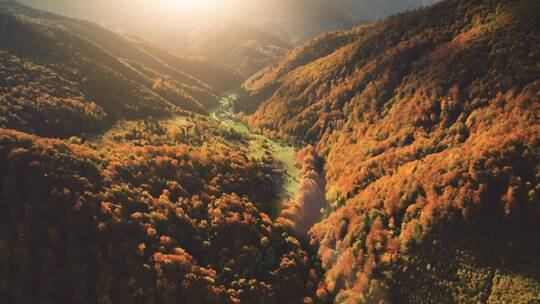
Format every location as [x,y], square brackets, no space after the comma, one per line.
[126,178]
[80,52]
[89,73]
[428,124]
[190,71]
[117,187]
[152,224]
[251,42]
[243,35]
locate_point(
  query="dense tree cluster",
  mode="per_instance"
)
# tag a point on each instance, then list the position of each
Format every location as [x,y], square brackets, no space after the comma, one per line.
[143,224]
[36,100]
[492,179]
[420,180]
[428,124]
[144,200]
[189,129]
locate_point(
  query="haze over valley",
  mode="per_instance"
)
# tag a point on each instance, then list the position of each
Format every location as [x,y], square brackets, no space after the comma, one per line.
[247,34]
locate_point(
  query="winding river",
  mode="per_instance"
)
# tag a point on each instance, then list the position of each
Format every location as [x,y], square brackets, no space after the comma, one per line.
[260,144]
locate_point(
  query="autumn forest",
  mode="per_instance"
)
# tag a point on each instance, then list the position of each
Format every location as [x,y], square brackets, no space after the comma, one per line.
[307,154]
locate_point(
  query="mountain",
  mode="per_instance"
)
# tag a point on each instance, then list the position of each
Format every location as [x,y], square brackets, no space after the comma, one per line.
[299,20]
[124,178]
[428,127]
[244,47]
[291,20]
[271,28]
[374,10]
[245,35]
[95,75]
[116,186]
[192,71]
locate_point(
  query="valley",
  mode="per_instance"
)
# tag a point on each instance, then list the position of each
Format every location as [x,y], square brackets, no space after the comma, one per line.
[298,154]
[260,145]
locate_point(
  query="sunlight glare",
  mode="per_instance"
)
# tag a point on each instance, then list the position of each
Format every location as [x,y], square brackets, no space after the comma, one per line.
[188,4]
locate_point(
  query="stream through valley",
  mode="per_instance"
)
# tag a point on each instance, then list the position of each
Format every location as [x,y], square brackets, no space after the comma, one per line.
[259,145]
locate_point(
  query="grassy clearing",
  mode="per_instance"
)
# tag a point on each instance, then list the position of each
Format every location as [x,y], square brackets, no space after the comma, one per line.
[259,145]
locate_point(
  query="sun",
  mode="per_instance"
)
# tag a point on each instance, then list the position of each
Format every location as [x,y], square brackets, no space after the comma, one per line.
[187,4]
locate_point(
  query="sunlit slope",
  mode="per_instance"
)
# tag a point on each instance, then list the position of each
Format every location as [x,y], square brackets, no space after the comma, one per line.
[429,126]
[68,77]
[263,84]
[89,72]
[218,76]
[189,71]
[174,220]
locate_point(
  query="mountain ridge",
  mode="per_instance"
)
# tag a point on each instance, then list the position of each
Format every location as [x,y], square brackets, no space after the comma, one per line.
[244,47]
[107,70]
[292,21]
[119,187]
[416,118]
[416,179]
